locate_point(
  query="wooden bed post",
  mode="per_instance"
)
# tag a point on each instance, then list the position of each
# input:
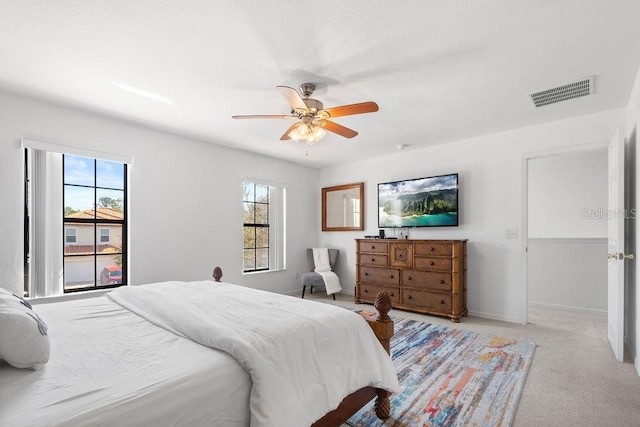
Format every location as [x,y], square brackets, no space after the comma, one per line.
[217,274]
[383,328]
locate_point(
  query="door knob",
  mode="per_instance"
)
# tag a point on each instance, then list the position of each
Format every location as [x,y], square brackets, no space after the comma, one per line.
[620,256]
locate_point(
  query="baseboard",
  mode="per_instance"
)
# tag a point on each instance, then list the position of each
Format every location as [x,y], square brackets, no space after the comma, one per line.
[494,317]
[298,292]
[566,307]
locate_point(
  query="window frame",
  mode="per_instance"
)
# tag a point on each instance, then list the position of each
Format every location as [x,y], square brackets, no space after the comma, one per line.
[44,238]
[255,226]
[277,216]
[96,223]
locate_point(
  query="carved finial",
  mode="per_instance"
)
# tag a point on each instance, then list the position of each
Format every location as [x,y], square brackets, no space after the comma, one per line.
[383,305]
[217,274]
[383,405]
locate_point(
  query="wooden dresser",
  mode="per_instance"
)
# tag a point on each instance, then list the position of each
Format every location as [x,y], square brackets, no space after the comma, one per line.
[425,276]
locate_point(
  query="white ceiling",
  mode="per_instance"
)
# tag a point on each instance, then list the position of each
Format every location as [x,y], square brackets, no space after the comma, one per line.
[439,70]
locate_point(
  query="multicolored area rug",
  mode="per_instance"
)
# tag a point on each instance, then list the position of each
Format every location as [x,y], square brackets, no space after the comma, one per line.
[451,377]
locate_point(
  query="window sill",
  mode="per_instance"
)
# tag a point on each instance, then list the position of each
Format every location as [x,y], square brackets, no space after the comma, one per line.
[251,273]
[72,296]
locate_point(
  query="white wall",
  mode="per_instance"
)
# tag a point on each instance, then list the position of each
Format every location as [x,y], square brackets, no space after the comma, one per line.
[490,169]
[568,273]
[185,196]
[567,193]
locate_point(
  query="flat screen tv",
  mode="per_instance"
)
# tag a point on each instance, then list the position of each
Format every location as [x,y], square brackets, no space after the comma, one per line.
[419,202]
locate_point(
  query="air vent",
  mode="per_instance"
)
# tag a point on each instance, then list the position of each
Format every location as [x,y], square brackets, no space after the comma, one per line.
[576,89]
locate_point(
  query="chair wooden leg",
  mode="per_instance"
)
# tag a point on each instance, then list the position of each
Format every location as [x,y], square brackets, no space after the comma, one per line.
[310,289]
[303,288]
[334,296]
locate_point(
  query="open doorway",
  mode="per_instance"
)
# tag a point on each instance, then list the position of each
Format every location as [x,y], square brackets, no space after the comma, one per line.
[565,230]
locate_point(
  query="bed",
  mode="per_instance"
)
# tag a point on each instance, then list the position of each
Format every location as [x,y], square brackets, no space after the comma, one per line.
[202,353]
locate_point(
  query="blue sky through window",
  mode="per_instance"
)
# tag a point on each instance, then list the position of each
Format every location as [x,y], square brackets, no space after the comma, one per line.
[80,171]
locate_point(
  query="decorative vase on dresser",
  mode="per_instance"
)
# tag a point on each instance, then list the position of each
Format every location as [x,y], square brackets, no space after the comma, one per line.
[424,276]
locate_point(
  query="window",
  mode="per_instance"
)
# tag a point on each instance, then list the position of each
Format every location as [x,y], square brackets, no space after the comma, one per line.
[94,200]
[69,235]
[263,226]
[354,208]
[75,222]
[256,227]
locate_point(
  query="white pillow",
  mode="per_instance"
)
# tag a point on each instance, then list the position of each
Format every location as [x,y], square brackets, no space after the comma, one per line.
[24,342]
[6,297]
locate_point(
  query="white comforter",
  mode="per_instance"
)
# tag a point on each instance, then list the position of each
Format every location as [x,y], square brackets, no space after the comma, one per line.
[303,357]
[111,367]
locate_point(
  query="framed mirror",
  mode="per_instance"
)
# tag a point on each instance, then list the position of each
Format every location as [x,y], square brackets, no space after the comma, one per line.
[343,207]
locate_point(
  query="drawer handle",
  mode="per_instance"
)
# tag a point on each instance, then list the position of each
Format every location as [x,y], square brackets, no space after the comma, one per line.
[410,297]
[432,263]
[432,249]
[400,256]
[391,294]
[366,274]
[441,281]
[410,278]
[373,259]
[373,247]
[366,291]
[441,301]
[391,277]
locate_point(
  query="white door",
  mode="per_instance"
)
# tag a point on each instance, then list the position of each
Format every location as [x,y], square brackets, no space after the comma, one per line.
[616,216]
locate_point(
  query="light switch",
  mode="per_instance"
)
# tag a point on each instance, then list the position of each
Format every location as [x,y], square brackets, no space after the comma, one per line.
[512,233]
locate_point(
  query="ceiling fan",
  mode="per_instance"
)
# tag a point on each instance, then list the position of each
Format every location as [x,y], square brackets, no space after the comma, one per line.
[313,117]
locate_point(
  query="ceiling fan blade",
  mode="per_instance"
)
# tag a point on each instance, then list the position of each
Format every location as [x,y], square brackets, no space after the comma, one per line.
[336,128]
[286,134]
[265,116]
[293,97]
[349,110]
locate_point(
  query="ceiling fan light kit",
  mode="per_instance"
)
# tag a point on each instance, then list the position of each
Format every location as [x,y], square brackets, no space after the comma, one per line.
[307,132]
[313,118]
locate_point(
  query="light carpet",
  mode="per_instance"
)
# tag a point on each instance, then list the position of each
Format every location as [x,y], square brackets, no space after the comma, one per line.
[451,377]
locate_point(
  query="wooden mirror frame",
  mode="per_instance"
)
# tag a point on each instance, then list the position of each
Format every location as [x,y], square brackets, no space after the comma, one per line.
[357,185]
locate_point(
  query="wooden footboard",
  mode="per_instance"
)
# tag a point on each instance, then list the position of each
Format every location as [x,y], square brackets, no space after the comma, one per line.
[382,326]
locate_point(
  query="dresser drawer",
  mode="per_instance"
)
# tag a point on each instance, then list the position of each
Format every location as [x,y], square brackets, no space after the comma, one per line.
[369,293]
[373,259]
[432,264]
[373,246]
[401,254]
[380,276]
[427,280]
[433,249]
[429,301]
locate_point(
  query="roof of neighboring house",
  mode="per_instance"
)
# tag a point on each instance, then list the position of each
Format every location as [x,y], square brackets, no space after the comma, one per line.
[101,213]
[88,249]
